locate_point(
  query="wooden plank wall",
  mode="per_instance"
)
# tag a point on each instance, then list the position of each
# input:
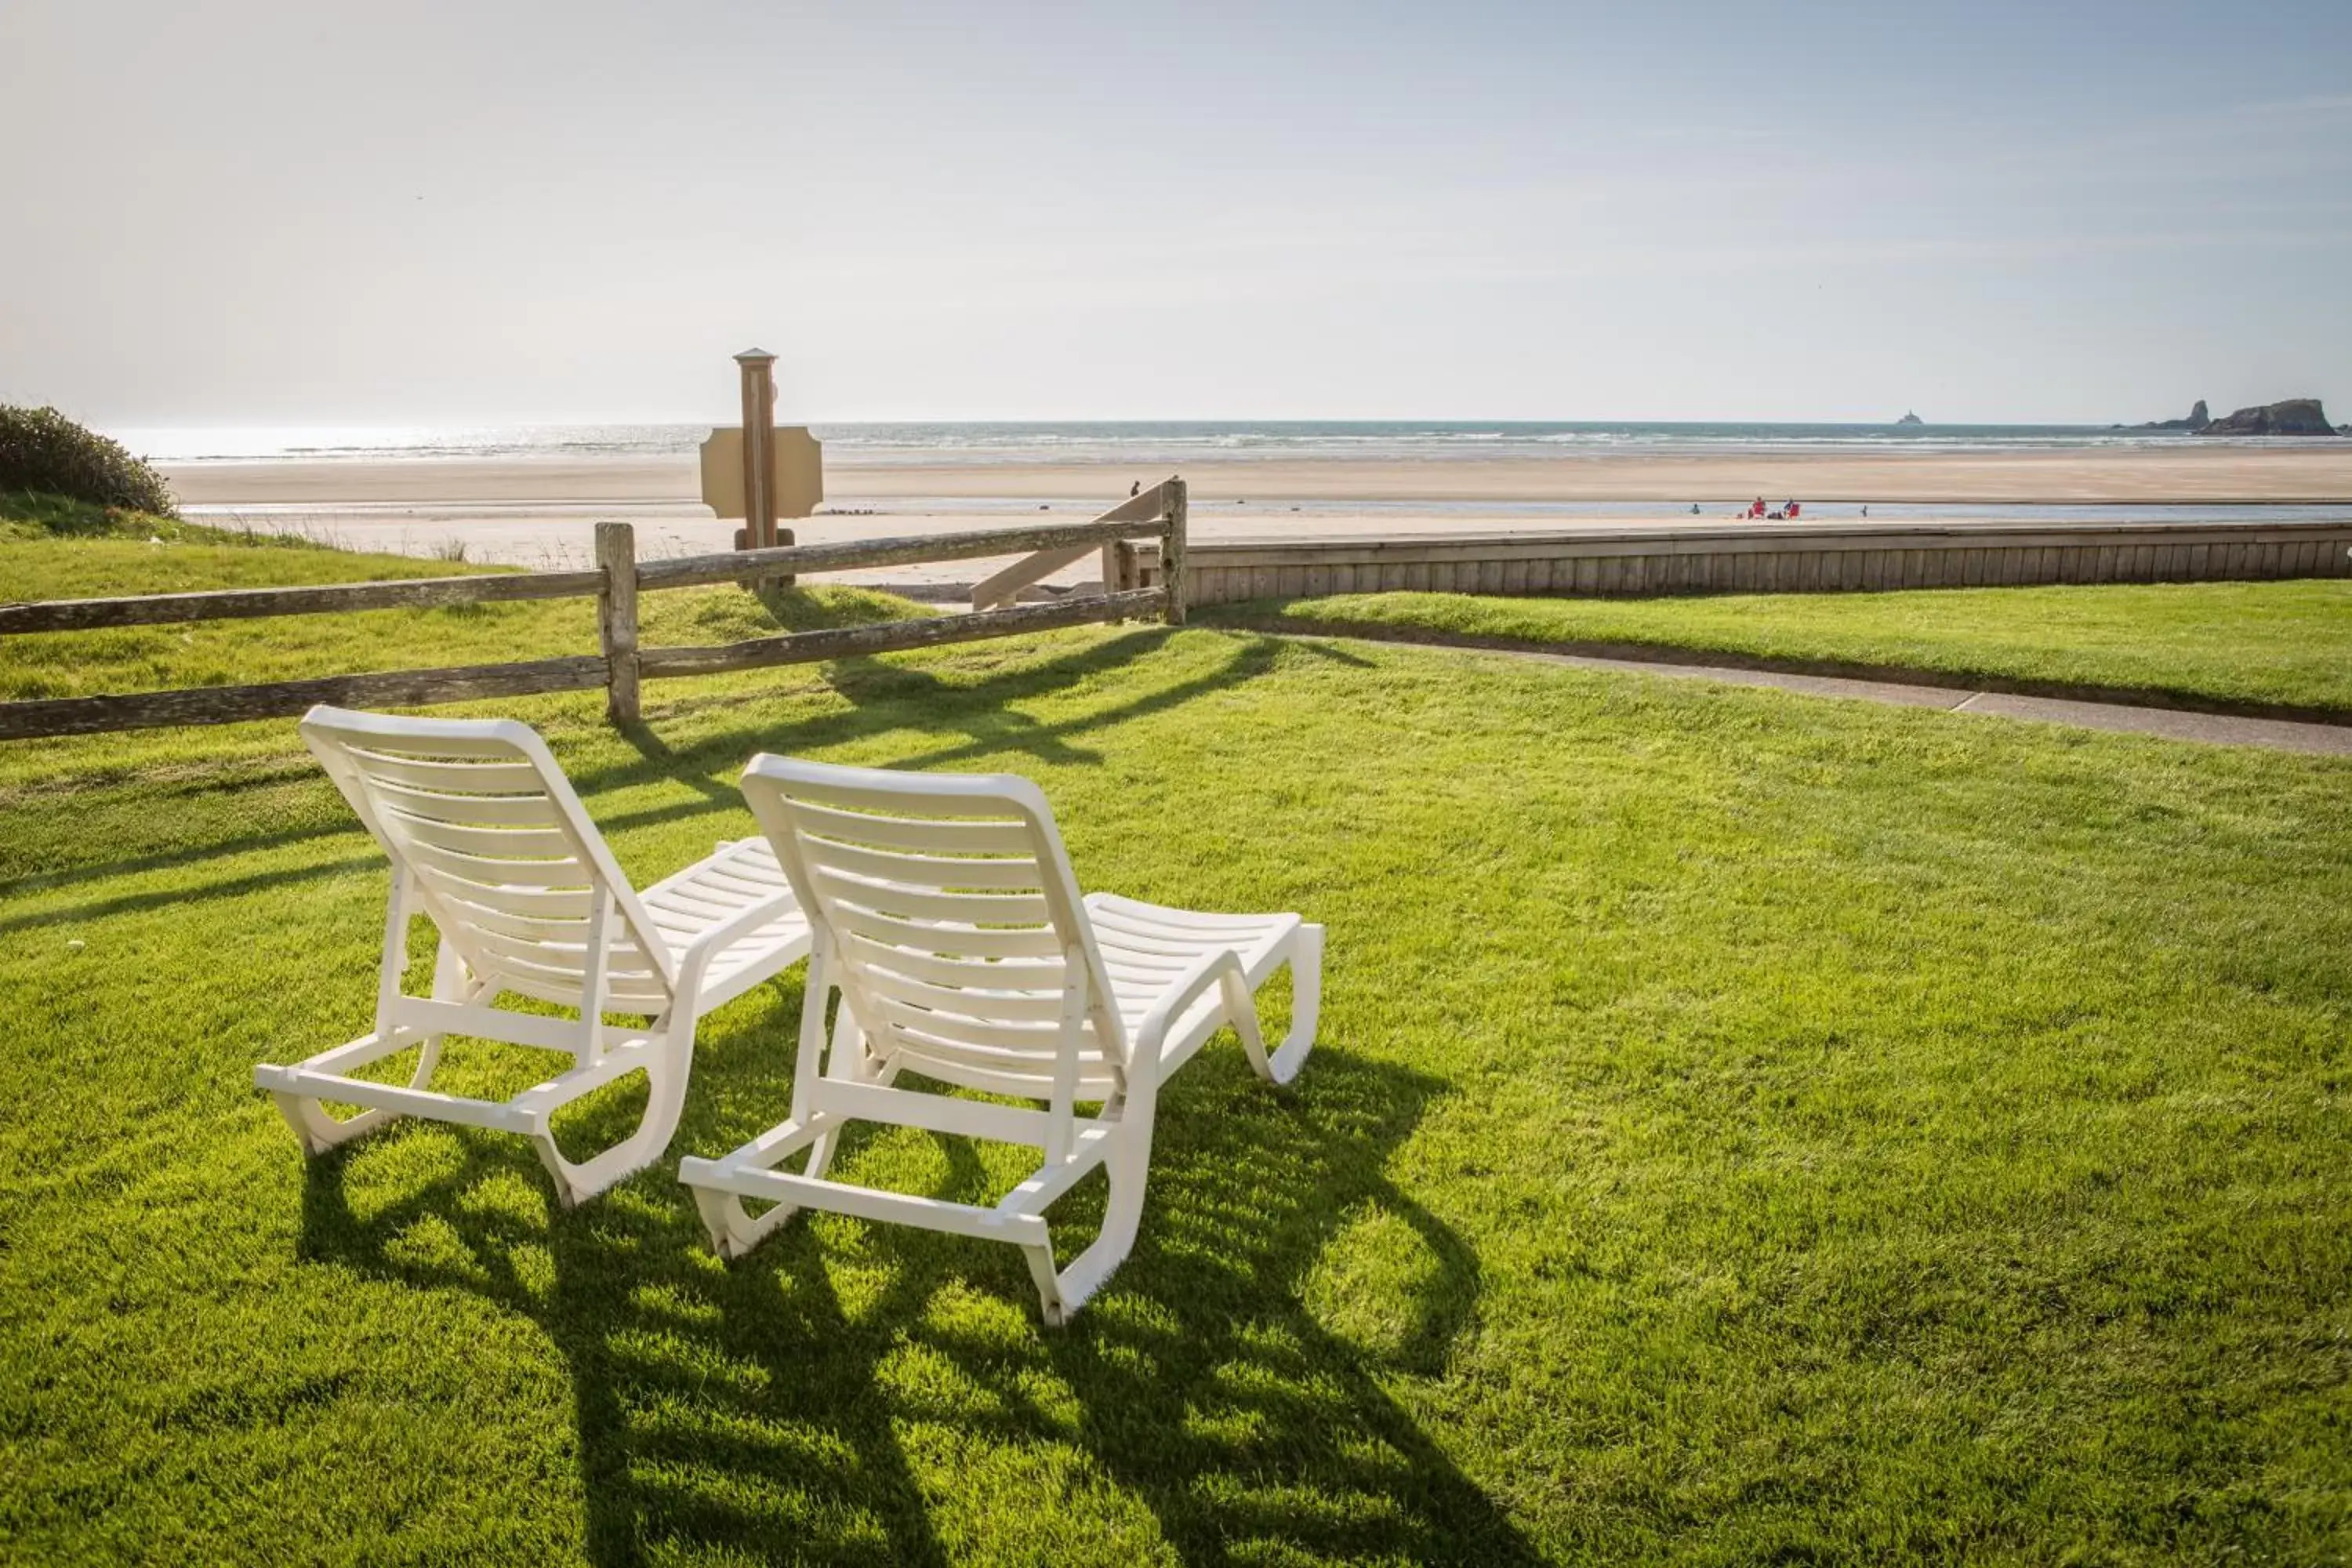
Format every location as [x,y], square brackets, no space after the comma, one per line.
[1770,558]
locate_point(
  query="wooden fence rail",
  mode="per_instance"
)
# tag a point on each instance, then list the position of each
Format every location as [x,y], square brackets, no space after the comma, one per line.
[1057,548]
[688,571]
[243,603]
[616,581]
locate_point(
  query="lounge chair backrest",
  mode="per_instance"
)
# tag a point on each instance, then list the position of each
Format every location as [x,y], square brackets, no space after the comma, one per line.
[500,854]
[956,930]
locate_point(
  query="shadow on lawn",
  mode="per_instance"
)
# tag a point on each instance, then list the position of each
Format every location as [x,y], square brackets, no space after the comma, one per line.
[882,697]
[812,1401]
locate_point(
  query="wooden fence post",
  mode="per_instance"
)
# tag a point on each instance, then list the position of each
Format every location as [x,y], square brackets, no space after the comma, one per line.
[616,618]
[1172,553]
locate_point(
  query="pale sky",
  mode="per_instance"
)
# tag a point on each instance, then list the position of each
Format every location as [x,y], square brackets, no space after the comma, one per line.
[241,213]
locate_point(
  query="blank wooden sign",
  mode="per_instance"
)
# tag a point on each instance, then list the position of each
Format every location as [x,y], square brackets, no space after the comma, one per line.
[797,479]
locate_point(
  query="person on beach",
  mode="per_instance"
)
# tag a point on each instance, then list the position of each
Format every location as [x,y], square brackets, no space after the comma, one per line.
[1791,510]
[1135,490]
[1758,510]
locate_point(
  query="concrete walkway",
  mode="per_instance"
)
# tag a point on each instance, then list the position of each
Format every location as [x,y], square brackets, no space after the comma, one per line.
[2324,740]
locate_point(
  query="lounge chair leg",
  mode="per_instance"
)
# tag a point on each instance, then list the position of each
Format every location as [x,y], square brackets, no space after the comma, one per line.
[450,984]
[1305,1004]
[319,1132]
[734,1230]
[665,1103]
[1050,1300]
[1061,1294]
[731,1228]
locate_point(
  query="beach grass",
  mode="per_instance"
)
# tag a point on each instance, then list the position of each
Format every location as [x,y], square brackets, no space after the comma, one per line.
[1744,1128]
[2287,643]
[34,515]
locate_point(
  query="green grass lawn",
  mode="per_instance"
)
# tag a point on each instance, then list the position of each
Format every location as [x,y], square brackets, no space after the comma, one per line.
[2244,642]
[1745,1128]
[214,653]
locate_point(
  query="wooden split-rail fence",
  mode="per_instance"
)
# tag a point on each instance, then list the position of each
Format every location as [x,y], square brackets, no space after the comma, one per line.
[616,582]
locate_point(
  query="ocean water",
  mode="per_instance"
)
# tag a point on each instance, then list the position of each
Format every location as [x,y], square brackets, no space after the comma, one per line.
[1169,441]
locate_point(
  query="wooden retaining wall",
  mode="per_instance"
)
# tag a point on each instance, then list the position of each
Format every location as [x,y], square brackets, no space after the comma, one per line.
[1768,557]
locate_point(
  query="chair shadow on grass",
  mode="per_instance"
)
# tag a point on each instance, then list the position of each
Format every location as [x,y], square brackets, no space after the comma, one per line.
[824,1399]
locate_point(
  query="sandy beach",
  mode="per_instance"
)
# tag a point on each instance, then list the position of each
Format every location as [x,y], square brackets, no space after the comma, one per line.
[538,511]
[2221,473]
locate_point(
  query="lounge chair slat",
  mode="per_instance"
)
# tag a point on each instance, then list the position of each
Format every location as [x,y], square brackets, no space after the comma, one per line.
[451,778]
[1008,873]
[1037,942]
[1005,1073]
[942,969]
[563,985]
[490,871]
[941,837]
[497,843]
[447,740]
[1039,1006]
[462,896]
[628,963]
[522,810]
[725,891]
[1036,1041]
[527,928]
[919,903]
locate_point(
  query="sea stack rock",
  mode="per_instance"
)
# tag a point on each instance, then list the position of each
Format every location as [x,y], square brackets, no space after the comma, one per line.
[2294,417]
[2198,419]
[1910,419]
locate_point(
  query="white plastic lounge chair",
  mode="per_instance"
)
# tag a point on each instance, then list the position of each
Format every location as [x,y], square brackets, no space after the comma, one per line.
[490,843]
[946,916]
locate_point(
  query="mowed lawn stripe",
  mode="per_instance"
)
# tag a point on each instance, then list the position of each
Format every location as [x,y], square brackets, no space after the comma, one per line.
[2287,645]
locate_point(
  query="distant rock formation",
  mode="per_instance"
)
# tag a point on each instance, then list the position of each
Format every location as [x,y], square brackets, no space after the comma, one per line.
[1910,419]
[2198,419]
[2294,417]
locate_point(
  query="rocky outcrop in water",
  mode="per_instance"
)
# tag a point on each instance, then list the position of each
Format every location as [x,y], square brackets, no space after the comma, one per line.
[2294,417]
[2198,419]
[1910,419]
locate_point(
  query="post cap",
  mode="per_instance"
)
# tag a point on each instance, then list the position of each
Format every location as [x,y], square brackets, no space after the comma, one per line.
[754,356]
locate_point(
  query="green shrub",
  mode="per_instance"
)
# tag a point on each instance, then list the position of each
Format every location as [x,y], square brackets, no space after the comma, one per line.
[41,449]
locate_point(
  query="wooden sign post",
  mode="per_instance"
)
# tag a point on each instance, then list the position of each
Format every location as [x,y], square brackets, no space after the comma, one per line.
[758,443]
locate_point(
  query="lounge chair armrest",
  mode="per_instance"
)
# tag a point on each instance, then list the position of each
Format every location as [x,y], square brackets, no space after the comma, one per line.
[734,928]
[1206,971]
